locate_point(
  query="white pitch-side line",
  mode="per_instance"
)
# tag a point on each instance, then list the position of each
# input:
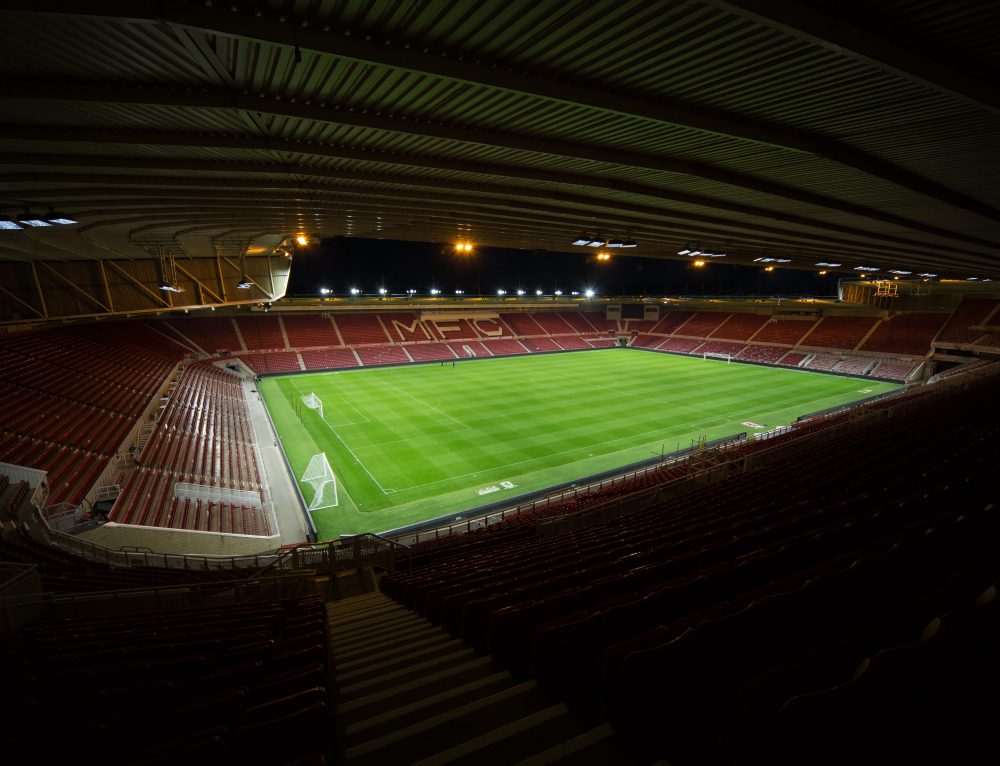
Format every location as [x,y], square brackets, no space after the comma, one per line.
[359,412]
[497,469]
[356,458]
[422,403]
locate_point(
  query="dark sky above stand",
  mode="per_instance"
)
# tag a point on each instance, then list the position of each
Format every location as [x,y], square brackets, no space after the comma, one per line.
[340,263]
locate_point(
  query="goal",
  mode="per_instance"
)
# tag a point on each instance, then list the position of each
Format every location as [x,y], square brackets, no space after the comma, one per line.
[714,355]
[313,402]
[319,475]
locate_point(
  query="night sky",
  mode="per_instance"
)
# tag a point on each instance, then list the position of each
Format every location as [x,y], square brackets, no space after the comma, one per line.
[340,263]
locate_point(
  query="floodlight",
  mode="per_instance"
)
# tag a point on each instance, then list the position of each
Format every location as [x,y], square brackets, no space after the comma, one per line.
[6,223]
[411,291]
[460,292]
[54,217]
[302,239]
[355,291]
[170,287]
[501,292]
[589,293]
[35,221]
[538,292]
[520,292]
[322,290]
[382,291]
[435,291]
[246,283]
[574,292]
[558,292]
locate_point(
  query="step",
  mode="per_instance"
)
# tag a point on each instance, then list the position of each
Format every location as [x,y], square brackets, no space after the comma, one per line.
[354,602]
[505,744]
[362,613]
[595,747]
[404,715]
[373,625]
[419,688]
[401,650]
[402,675]
[425,737]
[415,655]
[363,648]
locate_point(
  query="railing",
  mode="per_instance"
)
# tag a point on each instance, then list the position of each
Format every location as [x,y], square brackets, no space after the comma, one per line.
[347,552]
[126,558]
[21,610]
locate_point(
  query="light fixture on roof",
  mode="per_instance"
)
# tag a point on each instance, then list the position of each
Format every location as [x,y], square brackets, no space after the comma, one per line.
[900,272]
[827,265]
[10,224]
[582,241]
[772,260]
[604,256]
[869,269]
[170,287]
[34,221]
[246,283]
[926,274]
[684,251]
[59,218]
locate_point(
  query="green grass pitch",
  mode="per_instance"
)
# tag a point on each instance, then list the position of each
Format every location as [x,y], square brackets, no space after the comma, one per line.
[418,442]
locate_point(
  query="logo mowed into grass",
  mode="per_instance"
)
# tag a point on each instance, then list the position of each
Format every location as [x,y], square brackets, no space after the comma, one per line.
[751,424]
[496,488]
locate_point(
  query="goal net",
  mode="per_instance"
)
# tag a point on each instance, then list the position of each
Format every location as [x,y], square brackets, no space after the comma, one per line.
[319,476]
[713,355]
[313,402]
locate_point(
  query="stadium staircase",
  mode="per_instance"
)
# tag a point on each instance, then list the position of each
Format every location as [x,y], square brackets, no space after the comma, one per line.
[407,692]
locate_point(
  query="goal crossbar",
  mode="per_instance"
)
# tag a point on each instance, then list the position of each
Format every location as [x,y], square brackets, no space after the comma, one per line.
[717,355]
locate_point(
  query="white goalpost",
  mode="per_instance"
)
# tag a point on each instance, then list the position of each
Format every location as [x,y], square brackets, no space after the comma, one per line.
[319,475]
[712,355]
[313,402]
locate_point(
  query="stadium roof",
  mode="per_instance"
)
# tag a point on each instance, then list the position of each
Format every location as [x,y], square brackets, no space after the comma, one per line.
[842,132]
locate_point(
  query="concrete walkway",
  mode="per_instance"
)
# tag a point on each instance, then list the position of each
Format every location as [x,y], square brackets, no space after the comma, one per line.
[287,509]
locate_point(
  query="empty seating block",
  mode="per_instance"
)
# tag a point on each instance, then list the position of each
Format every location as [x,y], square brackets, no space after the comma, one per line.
[681,345]
[670,322]
[740,326]
[360,329]
[261,333]
[541,344]
[212,334]
[787,332]
[372,356]
[702,324]
[764,354]
[909,333]
[792,359]
[522,324]
[839,332]
[329,358]
[553,323]
[894,369]
[281,361]
[571,342]
[823,362]
[971,312]
[426,352]
[309,330]
[504,347]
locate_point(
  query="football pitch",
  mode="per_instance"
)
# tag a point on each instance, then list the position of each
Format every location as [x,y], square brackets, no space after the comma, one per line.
[417,442]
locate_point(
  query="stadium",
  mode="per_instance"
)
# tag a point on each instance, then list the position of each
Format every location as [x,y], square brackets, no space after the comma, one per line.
[738,510]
